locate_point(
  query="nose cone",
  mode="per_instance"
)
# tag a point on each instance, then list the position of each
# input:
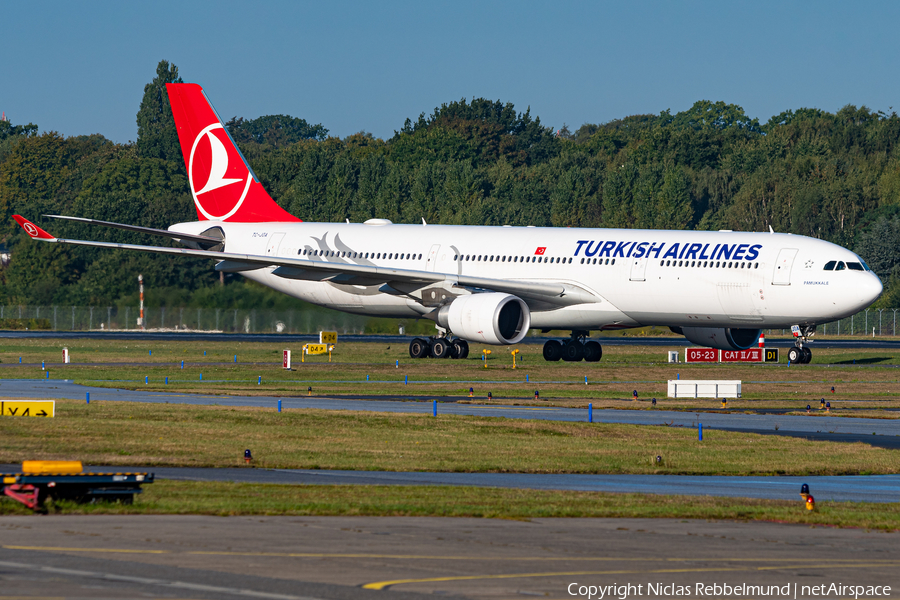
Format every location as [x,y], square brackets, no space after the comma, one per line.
[869,289]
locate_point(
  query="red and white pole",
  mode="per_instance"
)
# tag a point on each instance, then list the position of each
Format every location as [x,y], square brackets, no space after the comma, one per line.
[141,287]
[762,340]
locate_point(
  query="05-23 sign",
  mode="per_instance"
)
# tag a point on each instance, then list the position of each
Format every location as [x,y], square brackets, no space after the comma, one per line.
[701,355]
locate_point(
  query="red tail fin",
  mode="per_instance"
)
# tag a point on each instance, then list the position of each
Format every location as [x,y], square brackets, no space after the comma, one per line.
[222,184]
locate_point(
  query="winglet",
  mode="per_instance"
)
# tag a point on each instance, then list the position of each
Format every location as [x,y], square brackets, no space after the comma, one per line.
[33,230]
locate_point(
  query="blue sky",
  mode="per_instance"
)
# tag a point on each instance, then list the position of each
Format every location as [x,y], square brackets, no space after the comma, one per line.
[80,67]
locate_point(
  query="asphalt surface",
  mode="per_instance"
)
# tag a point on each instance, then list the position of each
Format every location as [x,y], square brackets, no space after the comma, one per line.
[861,488]
[887,343]
[302,558]
[877,432]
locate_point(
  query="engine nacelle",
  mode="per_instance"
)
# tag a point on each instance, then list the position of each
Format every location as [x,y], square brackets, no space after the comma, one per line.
[489,318]
[722,338]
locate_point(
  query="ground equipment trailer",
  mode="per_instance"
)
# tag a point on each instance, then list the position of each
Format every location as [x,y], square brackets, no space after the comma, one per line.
[40,480]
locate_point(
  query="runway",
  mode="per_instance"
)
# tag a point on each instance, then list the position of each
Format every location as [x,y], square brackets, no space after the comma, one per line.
[856,488]
[199,336]
[305,558]
[877,432]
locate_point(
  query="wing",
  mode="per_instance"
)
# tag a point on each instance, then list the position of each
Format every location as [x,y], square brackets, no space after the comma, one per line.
[204,242]
[396,281]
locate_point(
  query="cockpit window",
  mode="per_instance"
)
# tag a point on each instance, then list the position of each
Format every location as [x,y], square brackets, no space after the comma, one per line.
[829,266]
[865,266]
[855,266]
[840,266]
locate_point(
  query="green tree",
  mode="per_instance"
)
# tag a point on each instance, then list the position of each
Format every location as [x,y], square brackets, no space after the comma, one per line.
[274,131]
[157,136]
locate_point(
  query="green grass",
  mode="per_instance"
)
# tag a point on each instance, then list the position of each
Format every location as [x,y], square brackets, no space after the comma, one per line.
[125,433]
[224,499]
[623,369]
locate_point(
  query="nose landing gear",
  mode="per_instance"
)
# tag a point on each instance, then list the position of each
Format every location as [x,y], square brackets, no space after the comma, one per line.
[574,349]
[801,354]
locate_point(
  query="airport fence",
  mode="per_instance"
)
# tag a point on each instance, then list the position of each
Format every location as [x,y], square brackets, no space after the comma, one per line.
[122,318]
[880,322]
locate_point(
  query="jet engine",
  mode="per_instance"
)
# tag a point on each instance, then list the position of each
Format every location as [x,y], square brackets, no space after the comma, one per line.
[722,338]
[490,318]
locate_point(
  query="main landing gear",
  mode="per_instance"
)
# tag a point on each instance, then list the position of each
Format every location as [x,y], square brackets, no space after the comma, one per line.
[801,354]
[574,349]
[438,347]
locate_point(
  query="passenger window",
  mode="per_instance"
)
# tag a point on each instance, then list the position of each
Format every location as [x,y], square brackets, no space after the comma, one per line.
[855,266]
[840,267]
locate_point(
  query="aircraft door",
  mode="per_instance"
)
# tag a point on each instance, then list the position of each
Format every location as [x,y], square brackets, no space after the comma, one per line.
[639,268]
[274,244]
[432,257]
[783,265]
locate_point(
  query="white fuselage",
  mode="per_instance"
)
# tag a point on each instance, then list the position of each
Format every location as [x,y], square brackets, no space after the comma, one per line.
[639,277]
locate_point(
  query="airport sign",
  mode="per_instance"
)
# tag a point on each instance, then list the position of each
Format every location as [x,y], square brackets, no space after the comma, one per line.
[28,408]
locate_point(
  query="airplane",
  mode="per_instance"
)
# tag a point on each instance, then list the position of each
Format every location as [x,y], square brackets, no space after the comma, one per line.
[493,284]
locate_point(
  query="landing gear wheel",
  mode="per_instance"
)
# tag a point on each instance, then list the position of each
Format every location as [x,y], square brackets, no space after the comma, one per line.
[795,355]
[462,348]
[593,351]
[418,348]
[552,351]
[807,355]
[440,348]
[573,351]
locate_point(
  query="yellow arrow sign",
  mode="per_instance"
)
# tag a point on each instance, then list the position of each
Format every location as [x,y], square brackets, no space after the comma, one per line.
[28,408]
[316,348]
[328,337]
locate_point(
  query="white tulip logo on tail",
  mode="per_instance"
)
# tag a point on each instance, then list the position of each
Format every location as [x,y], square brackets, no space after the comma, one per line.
[214,160]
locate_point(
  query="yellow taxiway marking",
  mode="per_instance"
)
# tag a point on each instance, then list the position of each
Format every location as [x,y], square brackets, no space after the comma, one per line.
[380,585]
[829,561]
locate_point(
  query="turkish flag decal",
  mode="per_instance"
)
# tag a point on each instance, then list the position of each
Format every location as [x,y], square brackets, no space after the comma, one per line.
[540,251]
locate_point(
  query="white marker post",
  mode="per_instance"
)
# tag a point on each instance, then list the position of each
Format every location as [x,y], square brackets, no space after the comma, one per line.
[141,288]
[65,356]
[286,360]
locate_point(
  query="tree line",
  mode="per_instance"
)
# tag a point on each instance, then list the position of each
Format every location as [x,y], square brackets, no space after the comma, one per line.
[834,176]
